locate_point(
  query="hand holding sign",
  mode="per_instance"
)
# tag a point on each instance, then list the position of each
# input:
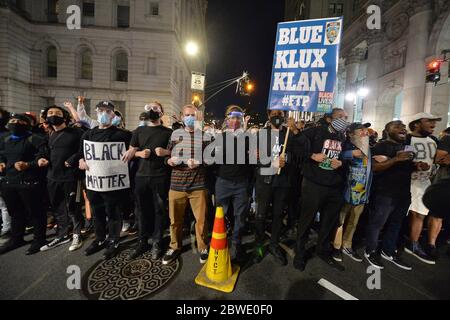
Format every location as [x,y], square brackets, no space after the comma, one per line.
[83,165]
[319,157]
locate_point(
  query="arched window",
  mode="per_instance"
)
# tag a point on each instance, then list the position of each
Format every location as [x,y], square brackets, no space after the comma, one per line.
[86,64]
[121,67]
[52,62]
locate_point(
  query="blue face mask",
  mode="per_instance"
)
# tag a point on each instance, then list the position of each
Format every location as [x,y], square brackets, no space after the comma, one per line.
[116,121]
[142,123]
[189,121]
[104,119]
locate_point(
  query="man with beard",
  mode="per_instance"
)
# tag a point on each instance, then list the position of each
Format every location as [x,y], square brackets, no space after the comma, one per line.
[63,176]
[425,145]
[322,186]
[22,190]
[393,165]
[150,143]
[105,205]
[358,167]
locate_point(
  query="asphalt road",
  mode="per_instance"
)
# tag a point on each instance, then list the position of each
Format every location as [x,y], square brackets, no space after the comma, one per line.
[44,276]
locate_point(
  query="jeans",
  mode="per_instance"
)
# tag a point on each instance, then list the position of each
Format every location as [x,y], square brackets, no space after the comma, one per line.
[265,195]
[6,219]
[388,213]
[23,201]
[326,200]
[236,193]
[105,208]
[63,201]
[151,197]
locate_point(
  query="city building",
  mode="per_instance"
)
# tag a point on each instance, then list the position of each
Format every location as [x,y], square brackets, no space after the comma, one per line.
[387,67]
[128,51]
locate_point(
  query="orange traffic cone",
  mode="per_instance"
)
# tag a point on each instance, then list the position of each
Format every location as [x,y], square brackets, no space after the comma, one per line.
[218,273]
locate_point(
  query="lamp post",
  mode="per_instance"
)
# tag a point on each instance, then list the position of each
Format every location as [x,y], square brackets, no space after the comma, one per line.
[353,96]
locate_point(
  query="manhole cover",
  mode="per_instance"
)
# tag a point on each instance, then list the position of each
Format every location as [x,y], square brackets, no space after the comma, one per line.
[123,279]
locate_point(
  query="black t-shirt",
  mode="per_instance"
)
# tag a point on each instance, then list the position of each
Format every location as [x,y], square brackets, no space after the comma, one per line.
[63,147]
[111,134]
[151,138]
[444,144]
[322,140]
[396,181]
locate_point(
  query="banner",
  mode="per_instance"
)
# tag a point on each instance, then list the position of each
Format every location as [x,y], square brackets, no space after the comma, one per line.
[305,65]
[107,172]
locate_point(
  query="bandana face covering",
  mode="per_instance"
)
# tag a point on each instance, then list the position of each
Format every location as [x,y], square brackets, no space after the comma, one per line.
[340,125]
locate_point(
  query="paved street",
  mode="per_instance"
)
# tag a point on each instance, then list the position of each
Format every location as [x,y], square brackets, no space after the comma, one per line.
[43,276]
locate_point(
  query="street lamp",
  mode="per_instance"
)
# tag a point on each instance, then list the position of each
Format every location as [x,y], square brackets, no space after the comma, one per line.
[352,96]
[192,48]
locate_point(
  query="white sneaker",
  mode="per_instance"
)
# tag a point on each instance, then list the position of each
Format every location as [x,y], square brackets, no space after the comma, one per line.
[77,243]
[126,226]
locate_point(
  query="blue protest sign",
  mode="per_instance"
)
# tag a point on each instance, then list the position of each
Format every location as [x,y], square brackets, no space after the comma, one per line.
[305,65]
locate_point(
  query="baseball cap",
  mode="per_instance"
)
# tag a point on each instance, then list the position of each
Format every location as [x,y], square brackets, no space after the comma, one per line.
[358,125]
[424,115]
[105,104]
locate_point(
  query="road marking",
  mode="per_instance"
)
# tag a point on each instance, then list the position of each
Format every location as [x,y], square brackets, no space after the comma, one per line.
[336,290]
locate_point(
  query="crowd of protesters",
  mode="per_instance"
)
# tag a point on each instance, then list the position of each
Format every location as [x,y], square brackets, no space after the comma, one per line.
[334,177]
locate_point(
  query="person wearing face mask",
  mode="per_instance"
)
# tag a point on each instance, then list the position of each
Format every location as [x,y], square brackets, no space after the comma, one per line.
[322,186]
[149,143]
[425,148]
[106,206]
[62,177]
[20,151]
[188,185]
[392,166]
[358,169]
[272,188]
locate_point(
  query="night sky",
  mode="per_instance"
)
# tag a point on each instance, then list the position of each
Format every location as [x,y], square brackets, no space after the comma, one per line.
[241,36]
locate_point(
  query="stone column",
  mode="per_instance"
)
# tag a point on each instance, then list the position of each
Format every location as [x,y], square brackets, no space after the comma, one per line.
[374,71]
[352,69]
[419,12]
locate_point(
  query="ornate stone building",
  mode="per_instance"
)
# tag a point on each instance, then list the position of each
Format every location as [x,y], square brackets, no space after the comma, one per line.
[128,51]
[391,62]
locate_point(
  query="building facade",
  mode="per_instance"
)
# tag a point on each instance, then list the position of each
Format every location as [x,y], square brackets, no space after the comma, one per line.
[131,52]
[390,63]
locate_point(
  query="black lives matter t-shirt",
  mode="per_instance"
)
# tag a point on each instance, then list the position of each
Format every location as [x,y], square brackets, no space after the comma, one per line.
[322,140]
[151,138]
[396,181]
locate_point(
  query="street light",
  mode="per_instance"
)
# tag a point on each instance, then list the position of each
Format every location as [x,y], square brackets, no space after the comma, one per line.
[192,48]
[353,97]
[363,92]
[350,96]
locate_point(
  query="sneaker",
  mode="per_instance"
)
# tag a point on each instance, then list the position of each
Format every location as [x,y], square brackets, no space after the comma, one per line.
[126,226]
[203,256]
[77,242]
[259,253]
[299,264]
[331,262]
[156,251]
[95,246]
[170,256]
[11,245]
[278,254]
[336,254]
[133,230]
[395,259]
[374,259]
[141,248]
[414,248]
[352,254]
[56,243]
[432,252]
[35,247]
[112,249]
[29,230]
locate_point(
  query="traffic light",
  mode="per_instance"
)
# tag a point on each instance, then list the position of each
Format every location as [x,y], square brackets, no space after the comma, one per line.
[434,71]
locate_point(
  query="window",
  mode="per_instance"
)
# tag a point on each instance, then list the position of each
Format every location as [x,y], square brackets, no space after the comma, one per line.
[123,16]
[52,62]
[331,9]
[339,9]
[88,13]
[121,67]
[151,65]
[154,8]
[52,11]
[86,64]
[335,9]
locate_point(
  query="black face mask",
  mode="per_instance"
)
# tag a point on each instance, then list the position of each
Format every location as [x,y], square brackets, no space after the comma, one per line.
[154,115]
[276,121]
[17,129]
[55,120]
